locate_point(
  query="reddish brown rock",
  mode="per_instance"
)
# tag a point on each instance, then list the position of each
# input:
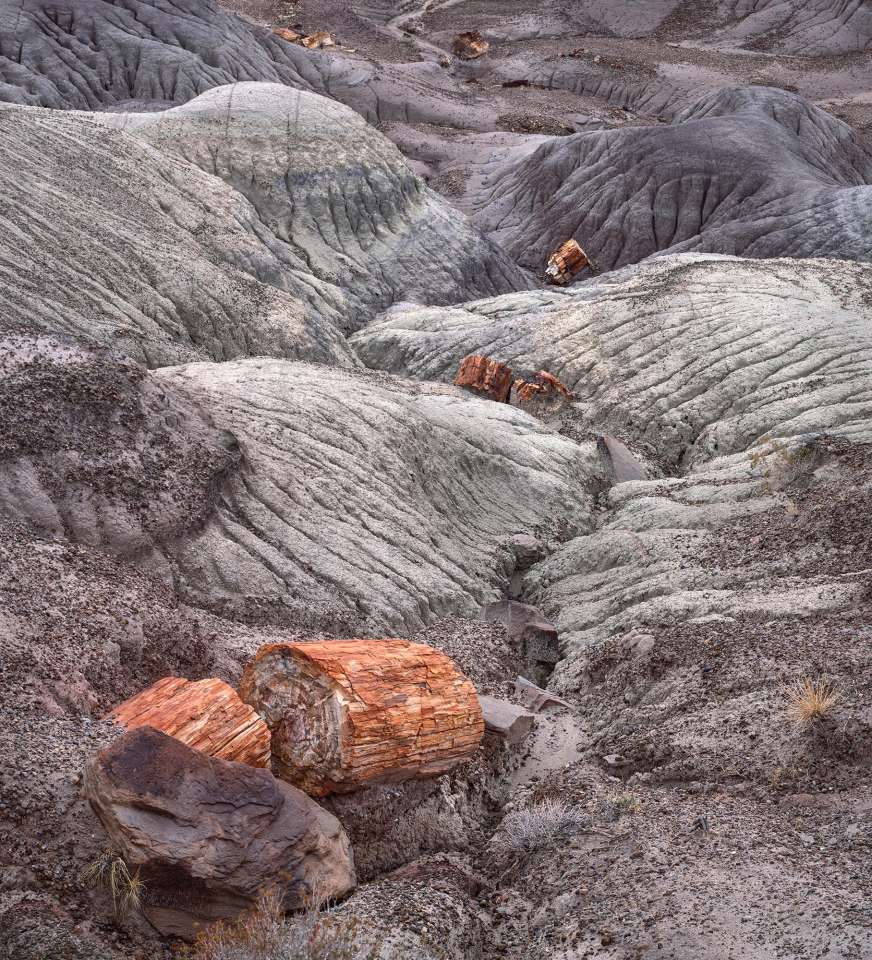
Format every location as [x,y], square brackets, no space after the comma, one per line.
[204,714]
[542,385]
[319,40]
[483,375]
[565,262]
[348,713]
[207,835]
[470,45]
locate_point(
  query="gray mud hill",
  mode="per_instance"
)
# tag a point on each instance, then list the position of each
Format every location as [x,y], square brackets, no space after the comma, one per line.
[253,220]
[752,172]
[237,279]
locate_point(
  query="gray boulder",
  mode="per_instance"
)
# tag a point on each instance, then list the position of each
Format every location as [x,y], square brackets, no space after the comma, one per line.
[207,835]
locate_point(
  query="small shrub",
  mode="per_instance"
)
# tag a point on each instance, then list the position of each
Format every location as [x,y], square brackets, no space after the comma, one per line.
[809,701]
[265,933]
[112,874]
[623,803]
[523,832]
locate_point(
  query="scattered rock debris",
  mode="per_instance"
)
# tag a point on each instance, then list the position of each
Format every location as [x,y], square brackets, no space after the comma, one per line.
[314,41]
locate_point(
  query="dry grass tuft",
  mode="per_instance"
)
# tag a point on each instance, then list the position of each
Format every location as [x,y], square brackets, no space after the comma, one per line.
[809,701]
[537,827]
[265,933]
[112,874]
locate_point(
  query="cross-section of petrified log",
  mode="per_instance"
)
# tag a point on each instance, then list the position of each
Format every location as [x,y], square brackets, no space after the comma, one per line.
[348,713]
[565,262]
[486,376]
[204,714]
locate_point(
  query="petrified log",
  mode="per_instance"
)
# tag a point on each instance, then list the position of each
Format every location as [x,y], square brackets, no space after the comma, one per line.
[505,720]
[470,45]
[348,713]
[485,376]
[565,262]
[205,714]
[206,835]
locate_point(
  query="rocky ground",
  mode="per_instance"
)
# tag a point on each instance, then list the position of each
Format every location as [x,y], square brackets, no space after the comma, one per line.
[238,277]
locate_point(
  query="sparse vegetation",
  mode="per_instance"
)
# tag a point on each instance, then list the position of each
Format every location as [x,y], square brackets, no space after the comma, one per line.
[265,933]
[112,874]
[623,803]
[809,701]
[537,827]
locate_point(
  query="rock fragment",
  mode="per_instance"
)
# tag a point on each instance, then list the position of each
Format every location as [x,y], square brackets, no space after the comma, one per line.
[485,376]
[207,835]
[318,40]
[505,720]
[541,394]
[350,713]
[204,714]
[533,635]
[536,699]
[623,463]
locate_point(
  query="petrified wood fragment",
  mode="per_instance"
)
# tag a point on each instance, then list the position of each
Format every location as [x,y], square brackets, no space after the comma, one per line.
[565,262]
[470,45]
[540,393]
[483,375]
[205,714]
[348,713]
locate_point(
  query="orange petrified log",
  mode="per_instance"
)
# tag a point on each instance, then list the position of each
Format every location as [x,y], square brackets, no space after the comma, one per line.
[565,262]
[204,714]
[486,376]
[350,713]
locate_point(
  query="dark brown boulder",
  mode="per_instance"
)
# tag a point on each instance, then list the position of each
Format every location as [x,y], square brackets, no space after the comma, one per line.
[207,835]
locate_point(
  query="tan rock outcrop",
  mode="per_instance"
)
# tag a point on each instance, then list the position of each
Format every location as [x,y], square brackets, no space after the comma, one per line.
[349,713]
[485,376]
[204,714]
[207,835]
